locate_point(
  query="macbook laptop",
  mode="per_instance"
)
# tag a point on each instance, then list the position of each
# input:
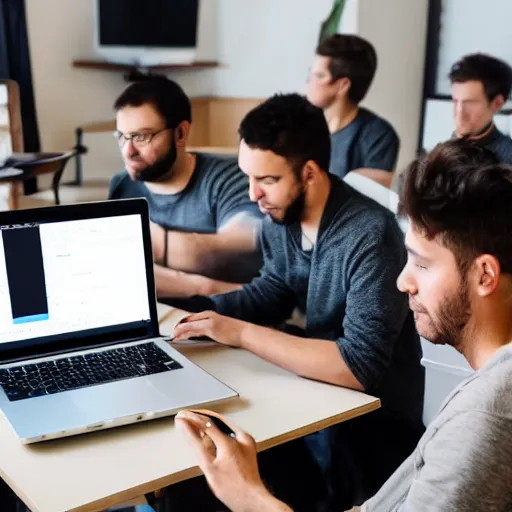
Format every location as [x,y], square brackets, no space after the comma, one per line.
[80,348]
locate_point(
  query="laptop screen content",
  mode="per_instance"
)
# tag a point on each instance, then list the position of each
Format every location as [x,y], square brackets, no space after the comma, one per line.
[62,278]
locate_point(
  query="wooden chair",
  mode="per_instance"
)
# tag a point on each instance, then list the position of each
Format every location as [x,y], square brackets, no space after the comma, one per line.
[14,128]
[52,163]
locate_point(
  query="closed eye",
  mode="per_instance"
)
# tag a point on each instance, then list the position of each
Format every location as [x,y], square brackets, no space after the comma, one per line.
[268,180]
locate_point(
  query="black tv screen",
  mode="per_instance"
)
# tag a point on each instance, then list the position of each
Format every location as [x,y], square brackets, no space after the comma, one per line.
[152,23]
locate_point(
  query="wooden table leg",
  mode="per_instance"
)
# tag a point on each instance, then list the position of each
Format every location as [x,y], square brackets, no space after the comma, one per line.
[14,196]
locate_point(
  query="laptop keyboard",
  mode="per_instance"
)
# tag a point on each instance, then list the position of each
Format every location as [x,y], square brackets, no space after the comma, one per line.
[49,377]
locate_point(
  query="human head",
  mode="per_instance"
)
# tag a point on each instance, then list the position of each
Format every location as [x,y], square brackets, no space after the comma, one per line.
[457,200]
[284,147]
[152,105]
[480,86]
[343,70]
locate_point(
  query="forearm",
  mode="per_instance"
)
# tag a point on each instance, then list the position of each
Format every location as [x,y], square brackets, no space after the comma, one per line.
[384,178]
[205,252]
[311,358]
[261,302]
[172,283]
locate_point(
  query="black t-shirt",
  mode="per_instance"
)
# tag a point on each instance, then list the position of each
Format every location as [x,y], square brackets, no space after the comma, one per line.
[368,141]
[217,190]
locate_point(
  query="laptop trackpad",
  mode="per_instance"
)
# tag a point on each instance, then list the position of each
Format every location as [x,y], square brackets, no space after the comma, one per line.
[118,399]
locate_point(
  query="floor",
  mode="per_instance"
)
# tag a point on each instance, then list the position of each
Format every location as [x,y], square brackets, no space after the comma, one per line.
[89,191]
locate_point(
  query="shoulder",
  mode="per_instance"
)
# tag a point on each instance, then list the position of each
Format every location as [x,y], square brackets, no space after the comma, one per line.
[487,391]
[361,229]
[503,146]
[215,167]
[121,185]
[217,173]
[376,126]
[491,388]
[362,215]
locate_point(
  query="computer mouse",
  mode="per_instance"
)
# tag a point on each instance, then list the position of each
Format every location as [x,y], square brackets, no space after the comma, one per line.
[225,429]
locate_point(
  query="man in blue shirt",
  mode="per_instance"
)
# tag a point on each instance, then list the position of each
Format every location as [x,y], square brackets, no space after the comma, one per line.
[203,224]
[361,141]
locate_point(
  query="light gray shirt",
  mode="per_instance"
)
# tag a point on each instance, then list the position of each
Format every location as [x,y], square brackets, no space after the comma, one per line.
[463,462]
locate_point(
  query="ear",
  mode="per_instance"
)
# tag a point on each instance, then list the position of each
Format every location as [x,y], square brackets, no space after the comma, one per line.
[181,133]
[487,274]
[310,172]
[497,103]
[343,86]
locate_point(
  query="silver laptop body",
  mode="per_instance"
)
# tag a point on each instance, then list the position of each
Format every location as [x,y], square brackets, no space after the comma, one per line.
[80,348]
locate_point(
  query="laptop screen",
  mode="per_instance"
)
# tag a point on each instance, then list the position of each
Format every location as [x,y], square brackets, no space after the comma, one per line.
[72,278]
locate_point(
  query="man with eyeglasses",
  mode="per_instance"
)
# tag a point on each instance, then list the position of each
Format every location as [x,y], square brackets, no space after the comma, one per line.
[203,224]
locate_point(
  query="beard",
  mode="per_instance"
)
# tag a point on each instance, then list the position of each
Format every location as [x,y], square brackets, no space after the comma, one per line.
[161,169]
[448,327]
[294,211]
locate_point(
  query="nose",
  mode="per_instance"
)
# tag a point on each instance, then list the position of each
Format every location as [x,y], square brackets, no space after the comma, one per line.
[405,282]
[458,109]
[128,149]
[255,192]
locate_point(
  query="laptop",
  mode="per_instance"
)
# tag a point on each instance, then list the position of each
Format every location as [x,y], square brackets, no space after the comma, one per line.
[80,348]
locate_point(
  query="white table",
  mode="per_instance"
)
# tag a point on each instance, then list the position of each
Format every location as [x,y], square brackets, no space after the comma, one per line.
[94,471]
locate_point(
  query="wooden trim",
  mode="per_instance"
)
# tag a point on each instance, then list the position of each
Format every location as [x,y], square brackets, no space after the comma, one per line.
[112,66]
[99,126]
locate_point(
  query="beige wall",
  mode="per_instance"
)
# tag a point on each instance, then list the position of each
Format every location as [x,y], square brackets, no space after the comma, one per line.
[397,28]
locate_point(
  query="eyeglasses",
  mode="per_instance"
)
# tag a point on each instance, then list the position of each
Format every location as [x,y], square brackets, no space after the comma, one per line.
[137,139]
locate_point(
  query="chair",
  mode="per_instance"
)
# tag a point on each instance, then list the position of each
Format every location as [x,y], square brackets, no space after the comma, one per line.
[48,163]
[374,190]
[11,127]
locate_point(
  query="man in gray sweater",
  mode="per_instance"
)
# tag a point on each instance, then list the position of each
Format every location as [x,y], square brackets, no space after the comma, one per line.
[335,255]
[459,281]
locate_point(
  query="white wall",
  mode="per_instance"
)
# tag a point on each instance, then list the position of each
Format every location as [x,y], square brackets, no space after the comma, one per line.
[469,26]
[263,46]
[266,45]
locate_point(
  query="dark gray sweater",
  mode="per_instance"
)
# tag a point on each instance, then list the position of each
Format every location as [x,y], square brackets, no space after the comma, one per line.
[347,288]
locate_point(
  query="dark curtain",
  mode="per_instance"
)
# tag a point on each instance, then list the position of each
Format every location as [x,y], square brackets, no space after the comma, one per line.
[15,65]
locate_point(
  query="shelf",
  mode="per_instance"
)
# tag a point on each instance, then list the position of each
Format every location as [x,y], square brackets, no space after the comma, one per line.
[112,66]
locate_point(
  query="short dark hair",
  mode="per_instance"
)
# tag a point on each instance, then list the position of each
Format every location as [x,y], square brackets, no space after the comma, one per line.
[461,193]
[289,126]
[495,74]
[351,57]
[166,96]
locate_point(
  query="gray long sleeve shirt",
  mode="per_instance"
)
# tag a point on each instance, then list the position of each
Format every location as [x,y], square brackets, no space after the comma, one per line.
[463,462]
[347,287]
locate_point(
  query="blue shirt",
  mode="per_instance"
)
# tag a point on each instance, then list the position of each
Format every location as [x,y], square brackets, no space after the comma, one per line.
[217,190]
[368,141]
